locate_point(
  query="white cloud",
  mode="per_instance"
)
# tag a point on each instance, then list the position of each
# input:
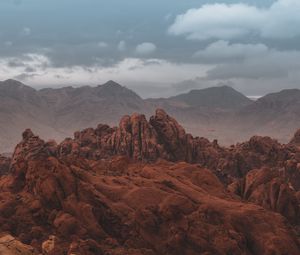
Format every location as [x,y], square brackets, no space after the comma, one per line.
[223,51]
[122,46]
[229,21]
[145,48]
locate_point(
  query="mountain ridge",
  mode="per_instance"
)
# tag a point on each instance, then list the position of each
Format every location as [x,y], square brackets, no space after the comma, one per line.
[216,113]
[222,97]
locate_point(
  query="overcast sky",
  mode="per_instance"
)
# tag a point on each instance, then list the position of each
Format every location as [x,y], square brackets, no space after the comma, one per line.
[157,47]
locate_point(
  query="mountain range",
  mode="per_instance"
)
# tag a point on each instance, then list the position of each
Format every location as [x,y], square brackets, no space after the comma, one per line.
[216,113]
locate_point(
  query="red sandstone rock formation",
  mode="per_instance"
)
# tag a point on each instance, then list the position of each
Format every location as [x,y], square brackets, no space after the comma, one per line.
[162,137]
[271,189]
[126,190]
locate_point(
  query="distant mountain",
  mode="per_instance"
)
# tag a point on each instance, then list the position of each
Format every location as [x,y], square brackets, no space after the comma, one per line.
[216,113]
[223,97]
[78,106]
[276,114]
[56,113]
[207,112]
[276,104]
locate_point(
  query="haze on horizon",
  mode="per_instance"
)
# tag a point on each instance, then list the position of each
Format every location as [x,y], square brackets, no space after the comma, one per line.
[157,48]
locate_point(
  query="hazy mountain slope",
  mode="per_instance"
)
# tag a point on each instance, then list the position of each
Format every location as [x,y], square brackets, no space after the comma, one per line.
[21,107]
[78,106]
[56,113]
[207,112]
[223,97]
[276,114]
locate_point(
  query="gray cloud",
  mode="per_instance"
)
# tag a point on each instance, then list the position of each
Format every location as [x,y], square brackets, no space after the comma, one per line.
[223,51]
[274,64]
[199,83]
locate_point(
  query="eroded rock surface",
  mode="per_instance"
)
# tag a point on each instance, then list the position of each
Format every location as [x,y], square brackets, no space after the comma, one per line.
[10,246]
[150,188]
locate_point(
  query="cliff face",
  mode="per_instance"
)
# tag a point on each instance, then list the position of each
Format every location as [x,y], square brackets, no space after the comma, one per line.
[147,187]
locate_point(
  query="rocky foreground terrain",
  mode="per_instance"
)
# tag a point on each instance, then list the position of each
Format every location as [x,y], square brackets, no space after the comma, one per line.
[148,187]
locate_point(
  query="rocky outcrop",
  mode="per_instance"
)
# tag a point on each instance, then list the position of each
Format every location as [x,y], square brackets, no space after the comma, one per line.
[136,138]
[256,153]
[147,187]
[10,246]
[271,189]
[162,137]
[171,135]
[62,202]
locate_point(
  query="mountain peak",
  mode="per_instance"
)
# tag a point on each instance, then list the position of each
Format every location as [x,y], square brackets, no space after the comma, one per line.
[224,97]
[11,82]
[112,88]
[111,83]
[14,84]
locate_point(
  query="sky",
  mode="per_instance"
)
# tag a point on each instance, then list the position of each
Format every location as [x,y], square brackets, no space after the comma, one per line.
[157,48]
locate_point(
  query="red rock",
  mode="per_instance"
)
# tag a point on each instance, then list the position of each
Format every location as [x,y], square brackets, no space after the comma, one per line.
[133,190]
[271,189]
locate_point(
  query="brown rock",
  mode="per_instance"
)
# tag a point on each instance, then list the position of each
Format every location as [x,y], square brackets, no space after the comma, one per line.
[10,246]
[133,190]
[49,245]
[271,189]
